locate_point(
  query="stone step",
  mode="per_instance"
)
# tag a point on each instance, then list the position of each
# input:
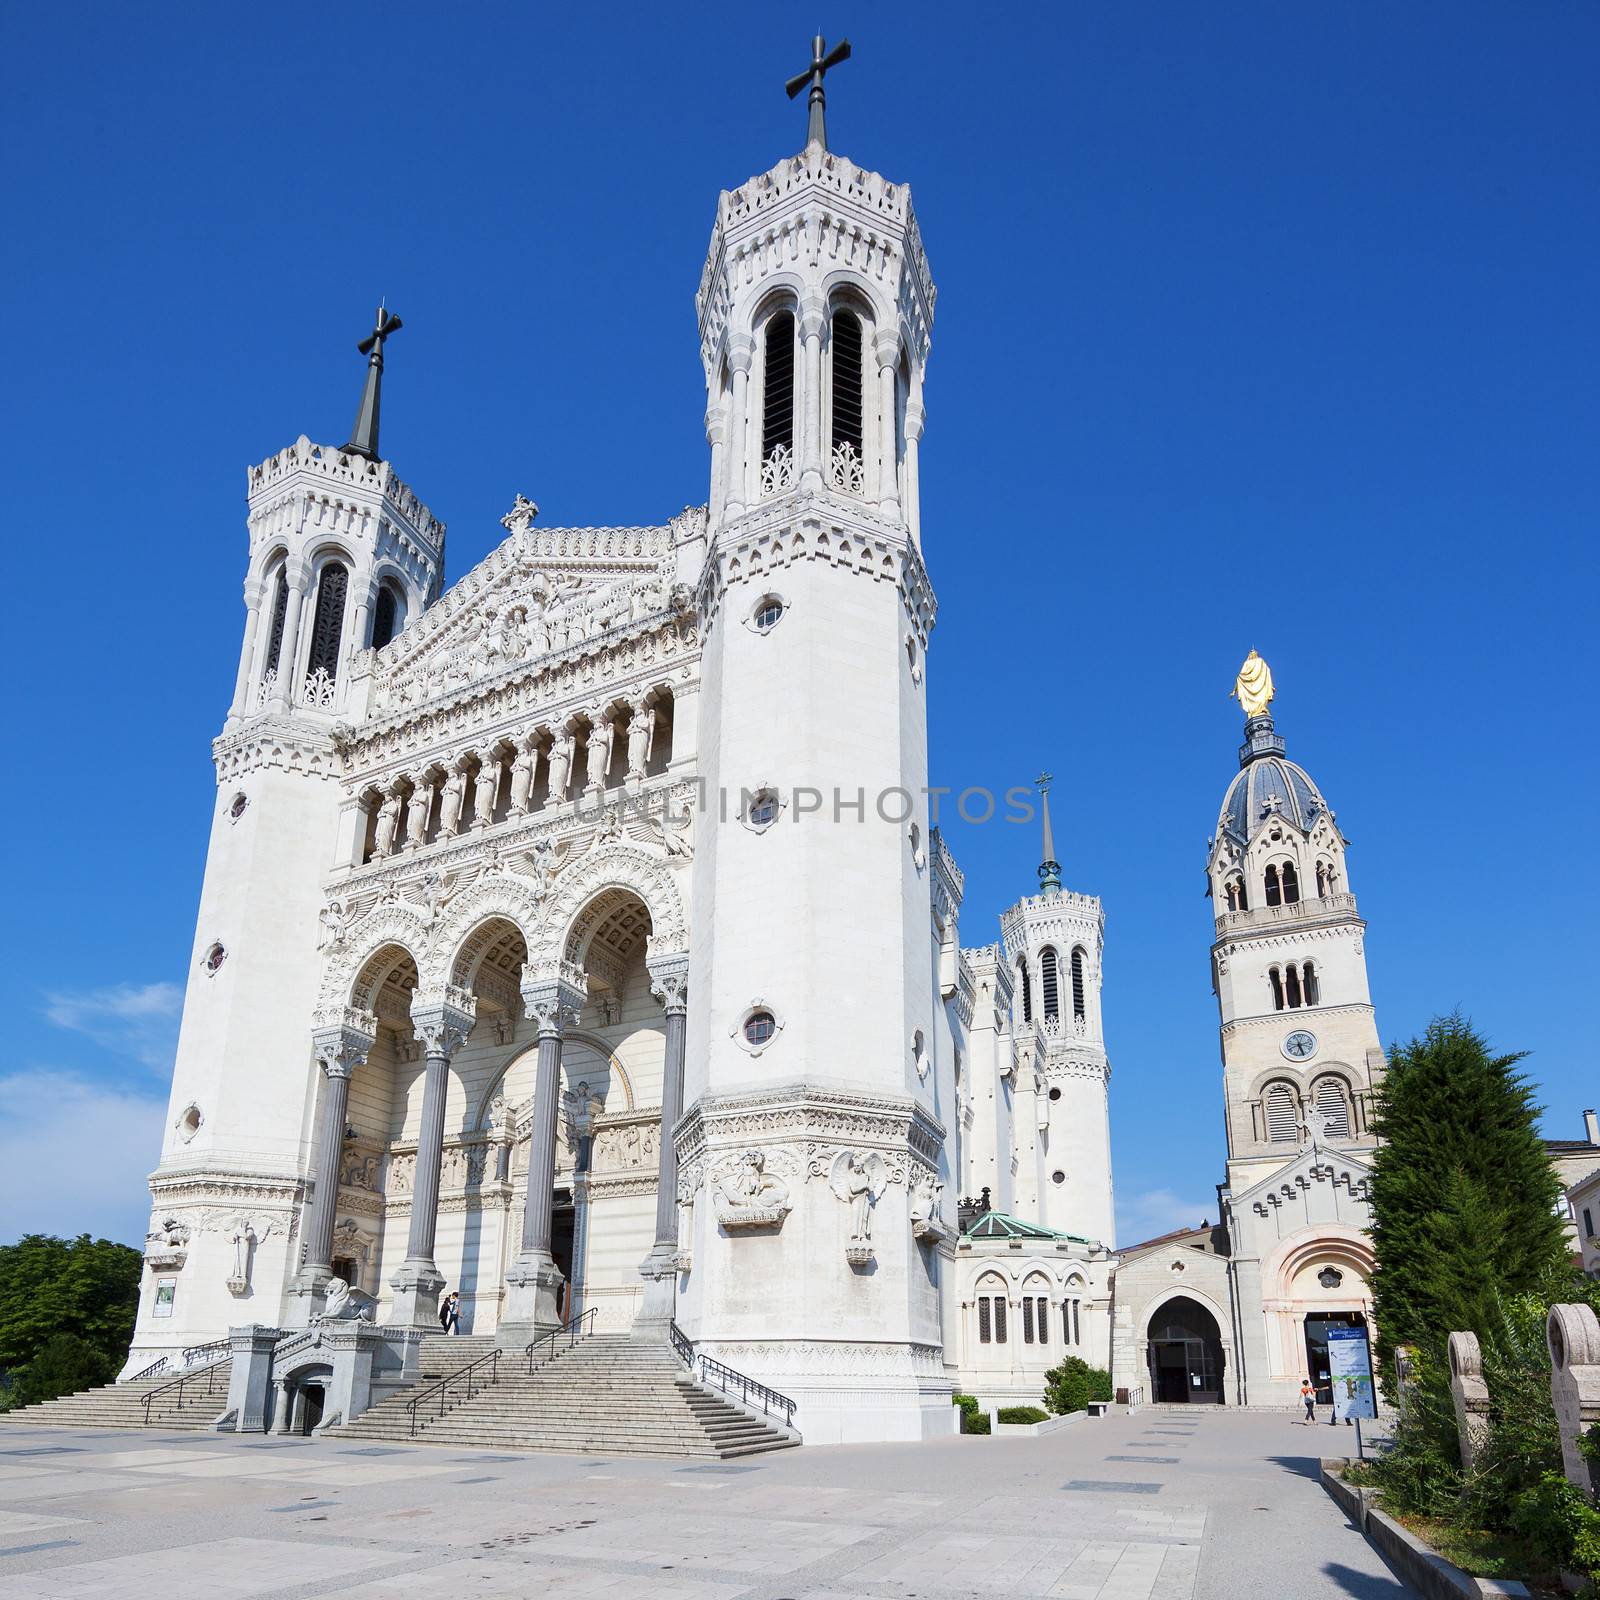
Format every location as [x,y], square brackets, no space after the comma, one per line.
[115,1405]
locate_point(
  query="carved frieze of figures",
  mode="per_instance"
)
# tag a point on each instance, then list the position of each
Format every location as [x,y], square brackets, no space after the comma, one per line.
[749,1196]
[359,1169]
[619,1149]
[857,1178]
[462,1166]
[402,1173]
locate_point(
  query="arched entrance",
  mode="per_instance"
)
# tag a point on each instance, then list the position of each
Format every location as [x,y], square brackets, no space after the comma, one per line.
[1185,1354]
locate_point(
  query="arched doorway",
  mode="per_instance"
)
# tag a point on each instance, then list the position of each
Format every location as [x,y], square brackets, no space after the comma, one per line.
[1185,1354]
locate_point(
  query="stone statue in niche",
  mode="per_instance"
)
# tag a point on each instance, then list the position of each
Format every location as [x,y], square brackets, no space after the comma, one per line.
[243,1236]
[166,1247]
[857,1179]
[750,1196]
[927,1207]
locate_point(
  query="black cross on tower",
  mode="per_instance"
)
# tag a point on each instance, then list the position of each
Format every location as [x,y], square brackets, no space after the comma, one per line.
[822,59]
[364,436]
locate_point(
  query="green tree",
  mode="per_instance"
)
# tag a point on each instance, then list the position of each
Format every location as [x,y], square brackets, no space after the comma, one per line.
[66,1364]
[88,1288]
[1464,1195]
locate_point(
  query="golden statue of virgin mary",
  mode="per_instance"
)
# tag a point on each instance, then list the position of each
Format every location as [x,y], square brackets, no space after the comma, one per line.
[1253,687]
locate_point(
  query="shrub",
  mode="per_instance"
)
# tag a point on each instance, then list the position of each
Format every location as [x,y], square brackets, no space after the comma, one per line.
[1023,1414]
[967,1402]
[1073,1384]
[974,1422]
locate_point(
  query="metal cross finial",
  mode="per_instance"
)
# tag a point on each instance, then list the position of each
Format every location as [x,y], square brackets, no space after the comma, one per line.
[822,59]
[364,436]
[1043,781]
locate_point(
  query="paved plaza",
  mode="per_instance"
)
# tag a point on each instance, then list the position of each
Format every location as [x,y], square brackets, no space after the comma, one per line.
[1160,1505]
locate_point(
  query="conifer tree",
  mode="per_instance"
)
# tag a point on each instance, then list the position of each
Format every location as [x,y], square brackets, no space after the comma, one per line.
[1464,1194]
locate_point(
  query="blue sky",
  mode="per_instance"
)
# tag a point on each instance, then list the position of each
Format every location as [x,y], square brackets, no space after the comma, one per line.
[1259,326]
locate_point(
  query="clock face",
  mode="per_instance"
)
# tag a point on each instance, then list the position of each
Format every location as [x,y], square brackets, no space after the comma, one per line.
[1300,1046]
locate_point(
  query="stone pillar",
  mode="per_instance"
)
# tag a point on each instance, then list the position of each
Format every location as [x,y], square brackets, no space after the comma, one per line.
[284,693]
[741,351]
[534,1280]
[341,1045]
[886,347]
[812,316]
[716,435]
[1470,1394]
[915,420]
[249,1379]
[442,1022]
[669,983]
[1573,1333]
[247,654]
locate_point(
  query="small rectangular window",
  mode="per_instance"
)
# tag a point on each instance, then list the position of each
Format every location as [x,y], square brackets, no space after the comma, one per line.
[983,1319]
[1066,1322]
[1027,1319]
[1077,1332]
[1588,1224]
[1044,1321]
[999,1319]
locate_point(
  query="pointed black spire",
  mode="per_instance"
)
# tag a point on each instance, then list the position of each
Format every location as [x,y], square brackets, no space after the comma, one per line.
[364,436]
[1049,868]
[822,59]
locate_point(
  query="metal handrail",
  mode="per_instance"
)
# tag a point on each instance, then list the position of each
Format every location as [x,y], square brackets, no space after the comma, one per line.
[727,1380]
[154,1370]
[209,1373]
[572,1331]
[204,1350]
[162,1363]
[441,1389]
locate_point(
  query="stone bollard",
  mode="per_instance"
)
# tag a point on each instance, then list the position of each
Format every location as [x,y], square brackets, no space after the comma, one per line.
[1471,1395]
[1573,1333]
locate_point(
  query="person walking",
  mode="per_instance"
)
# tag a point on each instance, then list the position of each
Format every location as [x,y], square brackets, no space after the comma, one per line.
[450,1313]
[1308,1398]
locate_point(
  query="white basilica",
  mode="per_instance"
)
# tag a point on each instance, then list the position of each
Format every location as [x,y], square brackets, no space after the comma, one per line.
[574,937]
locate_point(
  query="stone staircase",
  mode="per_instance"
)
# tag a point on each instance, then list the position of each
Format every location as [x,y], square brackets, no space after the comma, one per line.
[121,1405]
[606,1394]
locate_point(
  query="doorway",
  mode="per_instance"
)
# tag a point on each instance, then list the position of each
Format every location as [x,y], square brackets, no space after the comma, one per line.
[1317,1368]
[1185,1354]
[563,1224]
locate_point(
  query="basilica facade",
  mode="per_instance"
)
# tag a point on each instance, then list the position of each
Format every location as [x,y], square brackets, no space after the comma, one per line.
[576,936]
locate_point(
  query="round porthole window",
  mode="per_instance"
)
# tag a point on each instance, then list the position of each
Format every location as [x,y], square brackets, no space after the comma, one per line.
[1055,1094]
[759,1027]
[1058,1176]
[215,956]
[763,809]
[236,808]
[768,613]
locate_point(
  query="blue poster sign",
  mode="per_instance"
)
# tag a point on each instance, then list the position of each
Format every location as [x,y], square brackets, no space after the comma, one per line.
[1350,1373]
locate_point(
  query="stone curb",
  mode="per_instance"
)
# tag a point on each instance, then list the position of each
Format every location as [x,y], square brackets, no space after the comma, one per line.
[1034,1429]
[1422,1567]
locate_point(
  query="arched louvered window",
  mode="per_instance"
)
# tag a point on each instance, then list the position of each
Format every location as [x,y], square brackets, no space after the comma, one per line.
[1311,987]
[1027,991]
[847,453]
[1079,999]
[1333,1106]
[1291,884]
[777,404]
[1049,978]
[1291,986]
[388,615]
[991,1312]
[1237,899]
[1274,891]
[280,610]
[1275,978]
[1283,1121]
[328,625]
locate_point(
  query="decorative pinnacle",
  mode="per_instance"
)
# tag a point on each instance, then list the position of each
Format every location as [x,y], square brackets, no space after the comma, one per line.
[822,59]
[1049,868]
[364,436]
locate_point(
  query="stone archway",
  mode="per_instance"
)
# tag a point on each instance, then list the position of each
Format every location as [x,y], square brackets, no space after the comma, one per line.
[1184,1352]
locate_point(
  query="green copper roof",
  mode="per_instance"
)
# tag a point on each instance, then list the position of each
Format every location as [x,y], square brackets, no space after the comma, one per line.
[997,1225]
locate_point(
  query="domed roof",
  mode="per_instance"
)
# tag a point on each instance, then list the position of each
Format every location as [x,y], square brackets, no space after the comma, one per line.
[1269,784]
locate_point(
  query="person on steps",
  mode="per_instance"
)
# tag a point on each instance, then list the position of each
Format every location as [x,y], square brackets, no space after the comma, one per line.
[450,1313]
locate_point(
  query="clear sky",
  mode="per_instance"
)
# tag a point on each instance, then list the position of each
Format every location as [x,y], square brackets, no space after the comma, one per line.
[1259,325]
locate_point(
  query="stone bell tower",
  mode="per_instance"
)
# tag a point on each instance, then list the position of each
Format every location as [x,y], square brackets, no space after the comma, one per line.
[812,1153]
[341,554]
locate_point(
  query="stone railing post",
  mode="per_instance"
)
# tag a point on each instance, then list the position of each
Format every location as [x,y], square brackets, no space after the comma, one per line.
[669,983]
[533,1281]
[442,1022]
[1471,1395]
[1573,1333]
[341,1045]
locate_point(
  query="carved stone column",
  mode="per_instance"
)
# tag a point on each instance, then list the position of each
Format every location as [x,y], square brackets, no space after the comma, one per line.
[916,417]
[741,352]
[812,316]
[534,1280]
[716,436]
[442,1022]
[284,692]
[669,983]
[242,685]
[886,347]
[341,1046]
